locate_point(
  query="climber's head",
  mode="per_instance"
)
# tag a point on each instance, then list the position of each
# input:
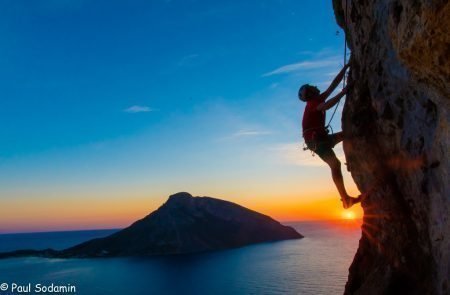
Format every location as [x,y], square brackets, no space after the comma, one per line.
[306,92]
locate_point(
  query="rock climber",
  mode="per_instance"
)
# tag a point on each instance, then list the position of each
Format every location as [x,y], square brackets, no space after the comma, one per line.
[316,134]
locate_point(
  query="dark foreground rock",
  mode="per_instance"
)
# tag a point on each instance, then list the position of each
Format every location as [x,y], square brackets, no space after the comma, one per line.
[184,224]
[396,121]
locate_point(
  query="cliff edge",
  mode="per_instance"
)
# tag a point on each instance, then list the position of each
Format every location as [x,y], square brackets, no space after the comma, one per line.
[396,122]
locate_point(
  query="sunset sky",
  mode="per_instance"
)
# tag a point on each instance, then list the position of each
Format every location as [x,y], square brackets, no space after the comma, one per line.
[107,107]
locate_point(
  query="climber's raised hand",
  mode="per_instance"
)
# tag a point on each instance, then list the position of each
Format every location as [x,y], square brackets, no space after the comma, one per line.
[324,95]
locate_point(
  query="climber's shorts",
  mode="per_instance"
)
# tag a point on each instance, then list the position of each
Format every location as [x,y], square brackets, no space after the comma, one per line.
[323,146]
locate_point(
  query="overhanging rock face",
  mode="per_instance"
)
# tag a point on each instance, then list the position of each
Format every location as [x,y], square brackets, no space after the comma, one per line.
[396,122]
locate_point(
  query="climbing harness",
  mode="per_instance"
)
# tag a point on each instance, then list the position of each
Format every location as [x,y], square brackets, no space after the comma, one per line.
[313,144]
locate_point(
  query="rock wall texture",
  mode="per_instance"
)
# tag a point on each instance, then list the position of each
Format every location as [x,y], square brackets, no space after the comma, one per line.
[396,120]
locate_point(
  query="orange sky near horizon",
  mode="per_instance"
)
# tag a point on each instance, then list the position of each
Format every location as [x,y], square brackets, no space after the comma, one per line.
[54,214]
[284,197]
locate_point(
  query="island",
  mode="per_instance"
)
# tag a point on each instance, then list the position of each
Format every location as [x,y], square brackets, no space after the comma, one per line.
[183,224]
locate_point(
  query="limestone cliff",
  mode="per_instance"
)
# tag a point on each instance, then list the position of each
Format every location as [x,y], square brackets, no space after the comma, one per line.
[396,121]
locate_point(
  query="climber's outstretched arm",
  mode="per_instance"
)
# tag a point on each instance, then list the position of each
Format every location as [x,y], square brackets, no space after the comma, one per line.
[332,101]
[324,95]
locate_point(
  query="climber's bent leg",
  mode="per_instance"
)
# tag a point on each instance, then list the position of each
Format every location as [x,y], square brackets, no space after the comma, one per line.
[336,138]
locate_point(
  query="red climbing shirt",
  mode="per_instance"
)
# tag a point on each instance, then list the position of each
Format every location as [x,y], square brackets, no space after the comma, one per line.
[313,120]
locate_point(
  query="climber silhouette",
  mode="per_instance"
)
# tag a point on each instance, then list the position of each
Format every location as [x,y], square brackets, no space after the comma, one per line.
[316,134]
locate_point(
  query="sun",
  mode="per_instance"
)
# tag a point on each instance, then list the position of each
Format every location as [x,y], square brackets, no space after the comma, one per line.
[348,215]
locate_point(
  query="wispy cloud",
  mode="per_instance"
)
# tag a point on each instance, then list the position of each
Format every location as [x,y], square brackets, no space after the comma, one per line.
[244,133]
[138,109]
[305,65]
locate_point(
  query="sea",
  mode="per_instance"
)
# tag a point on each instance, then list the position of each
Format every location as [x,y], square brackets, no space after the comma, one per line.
[316,264]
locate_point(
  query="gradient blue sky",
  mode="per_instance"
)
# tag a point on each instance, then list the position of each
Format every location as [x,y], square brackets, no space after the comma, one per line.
[141,99]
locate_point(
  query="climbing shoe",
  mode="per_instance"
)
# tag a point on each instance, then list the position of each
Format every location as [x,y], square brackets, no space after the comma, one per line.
[349,201]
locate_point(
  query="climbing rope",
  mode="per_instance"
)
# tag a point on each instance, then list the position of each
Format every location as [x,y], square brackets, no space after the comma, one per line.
[345,62]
